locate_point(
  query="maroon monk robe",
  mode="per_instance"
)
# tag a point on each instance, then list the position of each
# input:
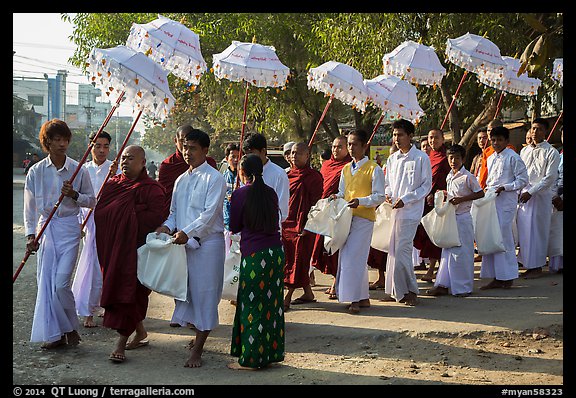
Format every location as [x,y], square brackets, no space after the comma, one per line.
[330,170]
[440,169]
[169,170]
[305,191]
[127,211]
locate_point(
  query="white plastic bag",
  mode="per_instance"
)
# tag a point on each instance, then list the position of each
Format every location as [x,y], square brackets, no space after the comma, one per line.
[332,219]
[486,226]
[383,225]
[232,269]
[440,223]
[162,266]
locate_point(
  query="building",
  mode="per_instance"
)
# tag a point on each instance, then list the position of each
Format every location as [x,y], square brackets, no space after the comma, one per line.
[48,96]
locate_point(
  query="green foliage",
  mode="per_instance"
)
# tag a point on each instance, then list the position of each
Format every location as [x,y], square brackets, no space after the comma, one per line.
[305,40]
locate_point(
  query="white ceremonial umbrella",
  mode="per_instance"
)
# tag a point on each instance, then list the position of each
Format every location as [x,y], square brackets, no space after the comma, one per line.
[475,54]
[255,64]
[143,82]
[395,97]
[172,45]
[558,71]
[414,62]
[339,81]
[510,82]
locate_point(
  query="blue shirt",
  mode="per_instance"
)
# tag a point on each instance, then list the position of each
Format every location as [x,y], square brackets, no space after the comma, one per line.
[230,177]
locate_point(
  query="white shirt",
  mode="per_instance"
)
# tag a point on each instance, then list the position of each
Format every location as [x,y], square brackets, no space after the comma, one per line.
[197,202]
[275,177]
[409,177]
[508,170]
[98,173]
[377,196]
[559,187]
[542,165]
[43,189]
[459,184]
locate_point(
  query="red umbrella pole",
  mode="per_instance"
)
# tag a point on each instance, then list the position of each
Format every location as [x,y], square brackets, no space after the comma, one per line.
[237,184]
[499,105]
[376,127]
[320,121]
[117,159]
[454,98]
[555,124]
[57,204]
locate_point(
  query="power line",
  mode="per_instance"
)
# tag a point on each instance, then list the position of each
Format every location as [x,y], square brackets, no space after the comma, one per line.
[42,45]
[44,61]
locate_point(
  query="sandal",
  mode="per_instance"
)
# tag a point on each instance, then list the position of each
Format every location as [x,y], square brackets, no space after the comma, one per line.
[332,296]
[116,357]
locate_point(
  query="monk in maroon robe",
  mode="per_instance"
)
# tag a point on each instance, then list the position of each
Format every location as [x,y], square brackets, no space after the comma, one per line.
[331,170]
[129,208]
[305,191]
[440,169]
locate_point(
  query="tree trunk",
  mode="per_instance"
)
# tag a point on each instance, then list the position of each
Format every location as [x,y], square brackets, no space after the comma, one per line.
[482,119]
[453,118]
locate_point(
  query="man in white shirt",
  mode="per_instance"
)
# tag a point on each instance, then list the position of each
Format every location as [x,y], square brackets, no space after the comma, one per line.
[506,176]
[362,185]
[408,181]
[533,218]
[87,284]
[55,321]
[273,175]
[196,220]
[556,240]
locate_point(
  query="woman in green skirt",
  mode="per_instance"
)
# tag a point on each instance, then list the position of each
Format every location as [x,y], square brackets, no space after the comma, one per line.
[258,330]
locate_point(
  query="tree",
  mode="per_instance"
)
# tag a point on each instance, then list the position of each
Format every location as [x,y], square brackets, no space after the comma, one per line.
[305,40]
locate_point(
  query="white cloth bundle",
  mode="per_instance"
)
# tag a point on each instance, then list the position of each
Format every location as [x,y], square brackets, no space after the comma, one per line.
[487,230]
[332,219]
[162,266]
[382,228]
[440,223]
[232,269]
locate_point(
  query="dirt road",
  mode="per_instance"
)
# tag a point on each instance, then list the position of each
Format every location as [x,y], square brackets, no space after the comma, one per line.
[495,337]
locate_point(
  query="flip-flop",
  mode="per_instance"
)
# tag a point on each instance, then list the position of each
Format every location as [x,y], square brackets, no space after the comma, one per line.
[132,346]
[301,300]
[332,296]
[118,358]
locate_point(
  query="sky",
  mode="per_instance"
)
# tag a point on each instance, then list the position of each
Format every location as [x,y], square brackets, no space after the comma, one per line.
[42,45]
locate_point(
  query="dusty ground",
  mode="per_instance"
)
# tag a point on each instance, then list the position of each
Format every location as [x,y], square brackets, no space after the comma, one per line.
[497,337]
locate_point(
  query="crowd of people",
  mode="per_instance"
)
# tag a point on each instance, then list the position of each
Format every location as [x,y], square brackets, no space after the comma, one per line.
[267,207]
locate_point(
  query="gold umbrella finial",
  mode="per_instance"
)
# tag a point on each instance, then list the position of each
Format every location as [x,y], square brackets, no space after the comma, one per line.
[254,39]
[420,40]
[183,19]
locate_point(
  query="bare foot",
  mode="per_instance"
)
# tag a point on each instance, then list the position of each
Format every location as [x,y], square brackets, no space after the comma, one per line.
[195,360]
[409,299]
[354,308]
[364,303]
[237,366]
[54,344]
[89,322]
[73,338]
